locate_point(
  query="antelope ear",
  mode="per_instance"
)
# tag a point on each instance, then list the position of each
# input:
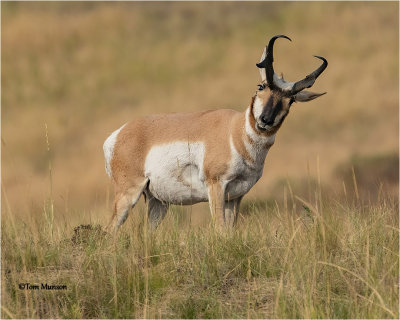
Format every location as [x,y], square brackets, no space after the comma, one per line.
[304,96]
[261,67]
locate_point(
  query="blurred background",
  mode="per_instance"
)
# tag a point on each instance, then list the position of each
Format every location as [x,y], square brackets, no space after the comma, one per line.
[74,72]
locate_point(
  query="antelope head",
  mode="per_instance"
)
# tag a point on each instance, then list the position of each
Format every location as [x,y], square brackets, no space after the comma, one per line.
[275,95]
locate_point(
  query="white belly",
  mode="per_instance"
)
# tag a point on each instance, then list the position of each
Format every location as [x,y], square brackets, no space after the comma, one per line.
[175,172]
[176,175]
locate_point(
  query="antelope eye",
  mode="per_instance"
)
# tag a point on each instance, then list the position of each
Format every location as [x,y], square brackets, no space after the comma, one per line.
[261,87]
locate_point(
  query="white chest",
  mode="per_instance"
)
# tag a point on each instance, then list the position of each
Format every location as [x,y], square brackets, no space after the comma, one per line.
[243,175]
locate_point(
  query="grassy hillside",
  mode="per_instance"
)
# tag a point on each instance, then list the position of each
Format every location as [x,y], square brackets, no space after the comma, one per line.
[294,261]
[74,72]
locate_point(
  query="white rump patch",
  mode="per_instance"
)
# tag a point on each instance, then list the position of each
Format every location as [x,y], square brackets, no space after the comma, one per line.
[108,148]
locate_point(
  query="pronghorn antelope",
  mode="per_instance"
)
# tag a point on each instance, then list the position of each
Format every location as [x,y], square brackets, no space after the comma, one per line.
[215,155]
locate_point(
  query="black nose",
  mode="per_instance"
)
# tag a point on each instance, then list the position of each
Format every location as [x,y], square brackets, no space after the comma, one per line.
[268,122]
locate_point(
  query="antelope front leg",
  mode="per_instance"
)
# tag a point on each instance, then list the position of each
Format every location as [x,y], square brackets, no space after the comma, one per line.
[232,211]
[216,198]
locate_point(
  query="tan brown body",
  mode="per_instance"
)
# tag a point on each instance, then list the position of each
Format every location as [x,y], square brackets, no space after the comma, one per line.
[225,171]
[138,136]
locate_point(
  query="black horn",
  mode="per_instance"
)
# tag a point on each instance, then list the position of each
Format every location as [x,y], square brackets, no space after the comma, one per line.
[269,59]
[308,81]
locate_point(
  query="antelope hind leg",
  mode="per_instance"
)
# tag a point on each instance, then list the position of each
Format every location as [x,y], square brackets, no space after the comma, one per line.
[123,202]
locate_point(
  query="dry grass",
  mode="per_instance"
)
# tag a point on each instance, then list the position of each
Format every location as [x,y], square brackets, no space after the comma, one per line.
[295,260]
[74,72]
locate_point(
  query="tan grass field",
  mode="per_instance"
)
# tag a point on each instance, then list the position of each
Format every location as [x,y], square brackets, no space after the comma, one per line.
[74,72]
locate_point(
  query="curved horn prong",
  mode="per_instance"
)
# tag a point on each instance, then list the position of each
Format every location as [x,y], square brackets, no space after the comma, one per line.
[269,59]
[309,80]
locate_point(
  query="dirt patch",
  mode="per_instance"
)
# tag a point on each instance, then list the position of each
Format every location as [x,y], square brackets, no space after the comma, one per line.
[85,233]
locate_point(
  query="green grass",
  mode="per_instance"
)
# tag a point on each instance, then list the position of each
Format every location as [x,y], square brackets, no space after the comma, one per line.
[335,262]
